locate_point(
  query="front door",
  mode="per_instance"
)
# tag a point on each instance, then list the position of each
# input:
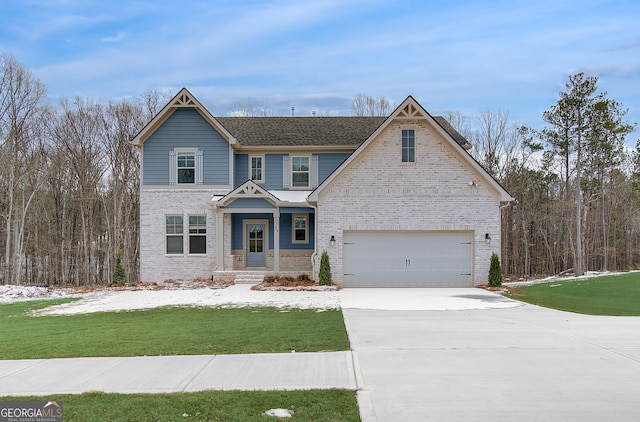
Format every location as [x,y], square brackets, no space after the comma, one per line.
[255,245]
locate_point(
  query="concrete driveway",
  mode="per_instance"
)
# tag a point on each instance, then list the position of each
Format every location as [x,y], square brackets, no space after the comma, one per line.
[504,363]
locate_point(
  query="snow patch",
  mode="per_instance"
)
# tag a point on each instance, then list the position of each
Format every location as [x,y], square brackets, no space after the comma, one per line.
[279,413]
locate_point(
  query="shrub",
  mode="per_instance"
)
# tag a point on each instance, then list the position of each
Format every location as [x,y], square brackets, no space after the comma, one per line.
[495,273]
[271,278]
[325,270]
[303,277]
[119,276]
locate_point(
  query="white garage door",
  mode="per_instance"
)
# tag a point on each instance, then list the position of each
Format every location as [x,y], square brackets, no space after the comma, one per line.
[407,259]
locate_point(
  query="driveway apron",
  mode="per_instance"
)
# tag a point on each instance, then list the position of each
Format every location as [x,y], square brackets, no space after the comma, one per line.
[519,363]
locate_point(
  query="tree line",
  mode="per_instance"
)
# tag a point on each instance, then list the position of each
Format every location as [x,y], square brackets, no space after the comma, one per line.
[69,181]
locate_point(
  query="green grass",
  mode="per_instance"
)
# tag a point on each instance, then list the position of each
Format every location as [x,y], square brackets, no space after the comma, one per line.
[166,331]
[311,405]
[617,295]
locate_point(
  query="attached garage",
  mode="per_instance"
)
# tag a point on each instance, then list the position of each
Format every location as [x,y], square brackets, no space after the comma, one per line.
[407,259]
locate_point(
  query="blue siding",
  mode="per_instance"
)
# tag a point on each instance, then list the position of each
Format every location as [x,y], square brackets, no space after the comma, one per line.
[273,171]
[250,203]
[186,128]
[241,169]
[327,163]
[286,230]
[237,223]
[286,233]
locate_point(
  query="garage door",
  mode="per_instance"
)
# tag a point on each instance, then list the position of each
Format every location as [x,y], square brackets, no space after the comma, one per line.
[407,259]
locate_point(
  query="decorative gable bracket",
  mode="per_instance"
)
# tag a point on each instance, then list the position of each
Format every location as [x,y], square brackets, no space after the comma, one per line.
[410,111]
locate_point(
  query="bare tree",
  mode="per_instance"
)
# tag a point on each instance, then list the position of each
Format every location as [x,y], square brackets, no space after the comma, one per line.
[22,109]
[366,105]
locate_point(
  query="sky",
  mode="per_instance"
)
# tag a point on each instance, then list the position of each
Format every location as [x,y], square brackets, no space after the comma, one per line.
[463,56]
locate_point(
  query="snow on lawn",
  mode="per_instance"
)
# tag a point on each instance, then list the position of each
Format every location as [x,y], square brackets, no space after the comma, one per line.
[11,293]
[239,295]
[588,274]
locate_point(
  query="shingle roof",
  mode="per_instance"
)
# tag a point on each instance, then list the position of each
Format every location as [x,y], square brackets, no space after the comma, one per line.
[300,131]
[310,131]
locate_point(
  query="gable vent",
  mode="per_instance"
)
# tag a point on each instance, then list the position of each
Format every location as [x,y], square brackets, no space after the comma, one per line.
[410,111]
[184,100]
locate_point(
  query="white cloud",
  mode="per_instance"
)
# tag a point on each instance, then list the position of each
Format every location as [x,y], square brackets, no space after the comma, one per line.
[115,38]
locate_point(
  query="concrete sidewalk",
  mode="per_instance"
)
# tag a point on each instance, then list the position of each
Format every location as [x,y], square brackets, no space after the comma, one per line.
[166,374]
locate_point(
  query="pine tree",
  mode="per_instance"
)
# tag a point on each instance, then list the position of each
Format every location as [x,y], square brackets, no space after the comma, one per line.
[325,270]
[119,276]
[495,273]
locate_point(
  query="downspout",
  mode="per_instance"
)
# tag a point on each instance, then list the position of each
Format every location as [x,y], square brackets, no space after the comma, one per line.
[315,238]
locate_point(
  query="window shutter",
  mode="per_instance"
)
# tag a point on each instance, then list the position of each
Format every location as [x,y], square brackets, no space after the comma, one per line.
[199,167]
[173,168]
[314,171]
[285,172]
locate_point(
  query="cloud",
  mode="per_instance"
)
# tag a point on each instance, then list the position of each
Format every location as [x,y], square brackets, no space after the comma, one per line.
[115,38]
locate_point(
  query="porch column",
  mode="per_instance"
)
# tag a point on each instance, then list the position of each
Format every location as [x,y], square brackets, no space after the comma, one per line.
[276,240]
[220,238]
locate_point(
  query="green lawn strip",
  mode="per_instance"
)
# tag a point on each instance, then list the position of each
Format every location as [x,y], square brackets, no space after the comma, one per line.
[167,331]
[617,295]
[307,405]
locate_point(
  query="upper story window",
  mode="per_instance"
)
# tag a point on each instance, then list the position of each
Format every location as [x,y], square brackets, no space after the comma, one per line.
[408,146]
[300,172]
[186,167]
[257,168]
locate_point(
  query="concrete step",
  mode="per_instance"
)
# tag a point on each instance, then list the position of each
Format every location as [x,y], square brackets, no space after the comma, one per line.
[249,278]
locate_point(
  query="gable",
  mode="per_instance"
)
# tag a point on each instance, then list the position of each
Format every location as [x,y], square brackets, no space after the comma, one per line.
[435,148]
[183,99]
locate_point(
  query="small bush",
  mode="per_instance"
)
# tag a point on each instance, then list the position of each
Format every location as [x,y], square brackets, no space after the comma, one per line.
[271,278]
[303,277]
[119,277]
[325,270]
[495,273]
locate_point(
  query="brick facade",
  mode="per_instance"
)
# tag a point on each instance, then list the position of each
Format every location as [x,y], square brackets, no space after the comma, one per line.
[155,264]
[379,192]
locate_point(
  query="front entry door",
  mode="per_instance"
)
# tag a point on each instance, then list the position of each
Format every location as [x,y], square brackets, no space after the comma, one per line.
[255,245]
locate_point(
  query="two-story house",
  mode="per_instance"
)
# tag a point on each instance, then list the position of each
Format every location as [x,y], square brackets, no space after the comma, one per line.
[395,201]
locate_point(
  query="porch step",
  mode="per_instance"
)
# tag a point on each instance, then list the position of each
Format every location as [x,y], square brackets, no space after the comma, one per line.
[249,277]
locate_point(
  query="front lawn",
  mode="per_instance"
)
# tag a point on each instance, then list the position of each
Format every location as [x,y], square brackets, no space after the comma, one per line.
[310,405]
[607,295]
[166,331]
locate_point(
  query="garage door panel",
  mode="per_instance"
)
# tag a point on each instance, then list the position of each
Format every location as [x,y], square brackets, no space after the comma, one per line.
[407,259]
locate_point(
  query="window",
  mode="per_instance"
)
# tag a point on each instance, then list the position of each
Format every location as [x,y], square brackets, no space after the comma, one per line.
[256,170]
[408,146]
[186,167]
[174,234]
[300,228]
[300,172]
[197,234]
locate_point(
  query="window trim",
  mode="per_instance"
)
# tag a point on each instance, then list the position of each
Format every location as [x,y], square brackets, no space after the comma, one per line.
[291,171]
[167,235]
[262,162]
[410,148]
[197,234]
[198,166]
[194,153]
[293,229]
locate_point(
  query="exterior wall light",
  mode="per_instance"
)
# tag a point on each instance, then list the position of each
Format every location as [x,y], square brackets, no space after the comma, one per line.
[487,238]
[332,241]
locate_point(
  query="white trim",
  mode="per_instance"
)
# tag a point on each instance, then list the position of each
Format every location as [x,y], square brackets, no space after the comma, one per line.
[166,235]
[291,157]
[262,165]
[285,172]
[306,229]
